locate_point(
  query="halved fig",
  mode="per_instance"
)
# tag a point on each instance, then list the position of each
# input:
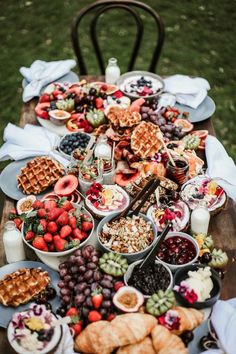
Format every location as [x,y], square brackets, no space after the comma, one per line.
[128,299]
[66,185]
[24,205]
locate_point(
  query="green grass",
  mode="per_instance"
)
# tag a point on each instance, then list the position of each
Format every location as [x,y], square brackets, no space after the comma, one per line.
[200,40]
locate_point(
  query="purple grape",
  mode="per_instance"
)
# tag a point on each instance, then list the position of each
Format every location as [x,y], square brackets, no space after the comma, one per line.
[163,128]
[77,253]
[145,115]
[106,294]
[97,275]
[66,299]
[67,278]
[62,266]
[86,251]
[168,135]
[85,311]
[80,278]
[96,253]
[72,258]
[108,277]
[144,109]
[94,286]
[88,302]
[79,260]
[82,269]
[106,304]
[80,287]
[103,312]
[79,299]
[88,275]
[106,284]
[169,128]
[74,269]
[87,292]
[95,259]
[61,284]
[63,272]
[71,284]
[65,291]
[91,265]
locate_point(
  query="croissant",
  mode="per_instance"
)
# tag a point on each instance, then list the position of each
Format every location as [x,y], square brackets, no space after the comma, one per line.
[103,337]
[189,319]
[164,342]
[143,347]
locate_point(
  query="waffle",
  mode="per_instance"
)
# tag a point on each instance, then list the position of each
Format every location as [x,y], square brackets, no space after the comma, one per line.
[144,141]
[39,174]
[21,286]
[123,117]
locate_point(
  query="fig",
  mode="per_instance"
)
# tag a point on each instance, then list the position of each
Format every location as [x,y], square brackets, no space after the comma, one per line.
[128,299]
[113,264]
[24,205]
[66,185]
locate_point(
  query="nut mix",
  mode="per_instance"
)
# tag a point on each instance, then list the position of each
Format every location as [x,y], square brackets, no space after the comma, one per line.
[127,235]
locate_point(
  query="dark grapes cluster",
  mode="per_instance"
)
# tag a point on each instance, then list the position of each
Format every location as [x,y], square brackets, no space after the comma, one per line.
[80,277]
[87,101]
[169,129]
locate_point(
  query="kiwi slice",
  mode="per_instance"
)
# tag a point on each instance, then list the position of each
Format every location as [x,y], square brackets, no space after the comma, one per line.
[219,258]
[160,302]
[191,142]
[113,264]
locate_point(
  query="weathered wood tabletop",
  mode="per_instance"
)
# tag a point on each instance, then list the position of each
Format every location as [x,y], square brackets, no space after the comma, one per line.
[222,226]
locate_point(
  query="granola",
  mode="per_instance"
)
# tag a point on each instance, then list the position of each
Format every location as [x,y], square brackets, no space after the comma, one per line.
[127,235]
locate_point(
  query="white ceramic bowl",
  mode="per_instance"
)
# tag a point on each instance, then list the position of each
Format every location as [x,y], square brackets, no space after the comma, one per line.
[68,156]
[174,267]
[130,270]
[131,257]
[69,251]
[58,116]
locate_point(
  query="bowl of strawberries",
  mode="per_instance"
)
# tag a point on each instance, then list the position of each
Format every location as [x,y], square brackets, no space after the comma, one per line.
[57,227]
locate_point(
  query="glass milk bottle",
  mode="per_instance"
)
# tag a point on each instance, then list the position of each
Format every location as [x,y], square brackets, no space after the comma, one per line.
[103,151]
[200,219]
[112,73]
[13,243]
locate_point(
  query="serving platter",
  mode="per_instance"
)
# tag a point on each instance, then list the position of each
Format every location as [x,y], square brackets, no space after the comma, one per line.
[204,111]
[7,312]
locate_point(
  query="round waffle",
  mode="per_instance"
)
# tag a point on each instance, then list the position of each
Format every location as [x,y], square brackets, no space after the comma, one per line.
[123,117]
[39,174]
[144,141]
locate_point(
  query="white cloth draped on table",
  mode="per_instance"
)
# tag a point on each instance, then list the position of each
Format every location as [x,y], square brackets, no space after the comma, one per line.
[41,73]
[30,141]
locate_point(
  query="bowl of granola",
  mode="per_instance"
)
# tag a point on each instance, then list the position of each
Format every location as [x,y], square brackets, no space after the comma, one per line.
[130,236]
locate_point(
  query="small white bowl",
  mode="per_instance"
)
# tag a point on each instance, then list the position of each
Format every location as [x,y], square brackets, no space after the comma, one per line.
[130,270]
[174,267]
[58,116]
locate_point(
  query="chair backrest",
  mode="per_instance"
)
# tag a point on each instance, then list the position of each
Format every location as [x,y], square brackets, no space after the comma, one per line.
[102,6]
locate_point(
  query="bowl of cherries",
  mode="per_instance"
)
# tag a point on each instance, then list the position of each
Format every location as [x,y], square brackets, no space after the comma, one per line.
[178,250]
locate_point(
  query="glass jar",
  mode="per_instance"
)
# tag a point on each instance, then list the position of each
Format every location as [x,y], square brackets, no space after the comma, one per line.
[13,243]
[200,219]
[102,149]
[180,172]
[109,172]
[90,173]
[112,72]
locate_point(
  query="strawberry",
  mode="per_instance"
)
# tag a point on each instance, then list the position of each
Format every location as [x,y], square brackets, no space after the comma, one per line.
[18,223]
[72,222]
[49,204]
[51,247]
[55,93]
[54,213]
[59,243]
[87,225]
[41,213]
[97,298]
[38,204]
[104,87]
[72,312]
[52,227]
[43,223]
[29,235]
[65,231]
[44,115]
[40,244]
[77,233]
[111,317]
[48,237]
[66,205]
[118,285]
[63,219]
[99,102]
[77,327]
[13,211]
[94,316]
[44,98]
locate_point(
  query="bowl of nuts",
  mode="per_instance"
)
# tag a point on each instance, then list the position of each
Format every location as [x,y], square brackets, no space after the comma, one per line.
[130,236]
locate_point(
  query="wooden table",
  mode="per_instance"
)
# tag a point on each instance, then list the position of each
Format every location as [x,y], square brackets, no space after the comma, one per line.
[222,226]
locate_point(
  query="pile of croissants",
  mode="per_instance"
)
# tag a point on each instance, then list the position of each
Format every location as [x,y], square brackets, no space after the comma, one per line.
[137,333]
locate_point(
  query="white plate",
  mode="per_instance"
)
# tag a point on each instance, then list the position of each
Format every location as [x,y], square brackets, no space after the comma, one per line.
[70,77]
[58,129]
[7,312]
[204,111]
[8,182]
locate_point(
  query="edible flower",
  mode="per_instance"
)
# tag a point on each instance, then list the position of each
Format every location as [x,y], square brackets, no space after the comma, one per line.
[186,292]
[170,320]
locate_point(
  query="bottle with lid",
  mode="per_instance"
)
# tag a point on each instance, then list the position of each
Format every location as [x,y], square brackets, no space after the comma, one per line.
[112,72]
[200,219]
[102,149]
[13,243]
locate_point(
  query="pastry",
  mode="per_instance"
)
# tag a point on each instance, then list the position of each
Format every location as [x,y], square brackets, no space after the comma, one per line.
[103,337]
[189,319]
[143,347]
[23,285]
[39,174]
[164,342]
[144,140]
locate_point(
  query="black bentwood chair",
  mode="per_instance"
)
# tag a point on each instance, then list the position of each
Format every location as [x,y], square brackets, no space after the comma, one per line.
[100,7]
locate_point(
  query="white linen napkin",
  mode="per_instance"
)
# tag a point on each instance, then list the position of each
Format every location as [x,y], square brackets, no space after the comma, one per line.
[66,345]
[223,319]
[188,91]
[21,143]
[220,166]
[42,73]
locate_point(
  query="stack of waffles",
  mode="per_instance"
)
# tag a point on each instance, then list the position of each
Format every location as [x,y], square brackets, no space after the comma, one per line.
[144,140]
